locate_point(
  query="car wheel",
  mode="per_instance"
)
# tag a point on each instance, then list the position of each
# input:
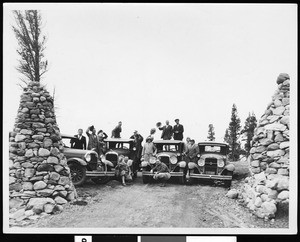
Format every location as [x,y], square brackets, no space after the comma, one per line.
[101,180]
[182,180]
[78,174]
[227,183]
[145,179]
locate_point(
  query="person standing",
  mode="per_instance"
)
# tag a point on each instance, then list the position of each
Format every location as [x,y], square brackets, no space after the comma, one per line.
[138,139]
[101,137]
[161,172]
[187,144]
[167,131]
[116,132]
[79,142]
[192,152]
[178,130]
[149,150]
[93,143]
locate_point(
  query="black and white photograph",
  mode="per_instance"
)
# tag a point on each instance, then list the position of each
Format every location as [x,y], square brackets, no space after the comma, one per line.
[153,118]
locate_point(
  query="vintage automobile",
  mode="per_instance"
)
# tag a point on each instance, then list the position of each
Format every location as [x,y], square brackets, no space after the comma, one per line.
[83,164]
[170,153]
[117,147]
[212,164]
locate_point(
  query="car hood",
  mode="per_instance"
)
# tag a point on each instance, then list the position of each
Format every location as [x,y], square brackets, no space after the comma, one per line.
[167,153]
[69,152]
[212,155]
[120,151]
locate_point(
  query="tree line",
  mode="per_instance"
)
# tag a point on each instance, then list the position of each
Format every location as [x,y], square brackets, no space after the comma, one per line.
[235,134]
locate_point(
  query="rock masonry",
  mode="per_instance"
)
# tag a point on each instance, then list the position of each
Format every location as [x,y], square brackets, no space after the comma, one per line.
[267,189]
[39,178]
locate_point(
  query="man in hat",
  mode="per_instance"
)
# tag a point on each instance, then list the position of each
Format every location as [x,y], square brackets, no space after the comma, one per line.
[93,143]
[161,172]
[178,130]
[138,139]
[167,131]
[192,152]
[149,149]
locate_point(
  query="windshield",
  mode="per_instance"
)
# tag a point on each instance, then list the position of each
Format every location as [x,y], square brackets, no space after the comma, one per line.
[66,142]
[213,149]
[120,145]
[168,147]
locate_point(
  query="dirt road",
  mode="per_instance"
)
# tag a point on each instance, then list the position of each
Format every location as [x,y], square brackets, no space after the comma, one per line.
[149,205]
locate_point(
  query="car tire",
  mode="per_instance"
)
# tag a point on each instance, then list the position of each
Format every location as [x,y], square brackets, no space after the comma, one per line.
[145,179]
[182,180]
[101,180]
[78,173]
[227,184]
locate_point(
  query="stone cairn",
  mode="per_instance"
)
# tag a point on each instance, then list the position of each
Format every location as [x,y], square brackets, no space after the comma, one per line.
[39,178]
[267,189]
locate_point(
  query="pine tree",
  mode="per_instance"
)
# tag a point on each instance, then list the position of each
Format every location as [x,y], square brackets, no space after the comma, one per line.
[31,45]
[233,132]
[211,133]
[249,127]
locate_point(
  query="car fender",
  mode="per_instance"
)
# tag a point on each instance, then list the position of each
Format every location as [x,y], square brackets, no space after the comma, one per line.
[192,165]
[230,167]
[182,164]
[77,160]
[107,162]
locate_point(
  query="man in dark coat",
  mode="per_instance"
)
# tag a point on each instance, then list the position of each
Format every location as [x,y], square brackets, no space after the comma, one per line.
[116,132]
[79,142]
[167,131]
[138,139]
[178,130]
[192,152]
[93,143]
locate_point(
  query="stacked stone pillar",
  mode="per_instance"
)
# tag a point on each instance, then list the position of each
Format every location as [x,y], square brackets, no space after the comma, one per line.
[39,178]
[268,187]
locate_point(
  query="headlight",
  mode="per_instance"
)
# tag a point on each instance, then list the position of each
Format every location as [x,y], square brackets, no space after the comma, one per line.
[173,160]
[88,157]
[198,155]
[152,160]
[134,148]
[201,162]
[221,163]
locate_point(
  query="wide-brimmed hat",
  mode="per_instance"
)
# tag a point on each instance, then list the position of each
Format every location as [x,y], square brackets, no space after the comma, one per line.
[149,138]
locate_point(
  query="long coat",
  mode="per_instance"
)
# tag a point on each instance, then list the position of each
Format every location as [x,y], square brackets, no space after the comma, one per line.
[77,143]
[178,132]
[167,132]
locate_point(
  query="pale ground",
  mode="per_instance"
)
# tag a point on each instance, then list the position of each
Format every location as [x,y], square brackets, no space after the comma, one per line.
[149,205]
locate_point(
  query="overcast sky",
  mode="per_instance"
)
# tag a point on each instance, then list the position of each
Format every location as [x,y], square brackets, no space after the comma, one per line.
[144,63]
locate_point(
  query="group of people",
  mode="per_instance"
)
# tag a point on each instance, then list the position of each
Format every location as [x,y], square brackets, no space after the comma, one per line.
[143,152]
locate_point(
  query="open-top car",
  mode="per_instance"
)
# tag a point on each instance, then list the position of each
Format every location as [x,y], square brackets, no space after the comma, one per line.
[83,164]
[170,153]
[212,164]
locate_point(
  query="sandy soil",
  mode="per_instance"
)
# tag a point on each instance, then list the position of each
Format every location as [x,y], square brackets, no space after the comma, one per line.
[149,205]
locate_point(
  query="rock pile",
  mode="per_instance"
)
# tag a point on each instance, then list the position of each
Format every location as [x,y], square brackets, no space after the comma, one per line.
[268,185]
[39,178]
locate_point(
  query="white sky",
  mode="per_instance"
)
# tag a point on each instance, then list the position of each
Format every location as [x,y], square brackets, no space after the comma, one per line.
[144,63]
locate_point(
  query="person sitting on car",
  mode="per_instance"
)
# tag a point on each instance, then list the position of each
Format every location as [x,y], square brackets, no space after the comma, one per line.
[149,149]
[161,172]
[123,170]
